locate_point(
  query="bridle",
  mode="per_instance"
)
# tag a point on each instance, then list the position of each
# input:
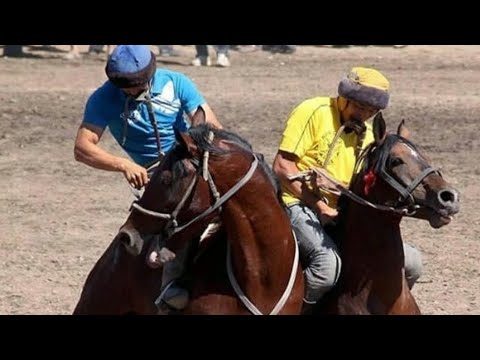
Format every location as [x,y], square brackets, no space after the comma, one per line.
[173,227]
[405,202]
[405,205]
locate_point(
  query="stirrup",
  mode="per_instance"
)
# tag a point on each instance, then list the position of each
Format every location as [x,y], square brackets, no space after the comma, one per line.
[174,297]
[308,307]
[165,309]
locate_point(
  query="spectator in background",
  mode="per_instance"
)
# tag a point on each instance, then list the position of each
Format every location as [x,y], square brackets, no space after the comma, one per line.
[203,59]
[95,49]
[245,48]
[167,50]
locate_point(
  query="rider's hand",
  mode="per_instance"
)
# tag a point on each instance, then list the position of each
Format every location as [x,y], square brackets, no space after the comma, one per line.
[327,218]
[135,174]
[326,214]
[321,182]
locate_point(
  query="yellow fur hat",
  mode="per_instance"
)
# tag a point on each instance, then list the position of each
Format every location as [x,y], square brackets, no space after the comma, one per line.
[367,86]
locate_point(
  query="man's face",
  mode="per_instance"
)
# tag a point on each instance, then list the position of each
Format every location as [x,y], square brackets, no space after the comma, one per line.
[135,92]
[358,112]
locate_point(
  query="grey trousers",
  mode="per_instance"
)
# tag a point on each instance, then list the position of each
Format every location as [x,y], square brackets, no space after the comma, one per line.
[202,50]
[173,269]
[319,254]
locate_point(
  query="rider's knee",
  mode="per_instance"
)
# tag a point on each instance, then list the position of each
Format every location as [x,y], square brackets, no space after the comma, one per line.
[322,274]
[413,264]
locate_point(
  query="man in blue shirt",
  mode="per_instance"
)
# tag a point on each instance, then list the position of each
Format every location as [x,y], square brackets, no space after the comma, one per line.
[142,106]
[137,99]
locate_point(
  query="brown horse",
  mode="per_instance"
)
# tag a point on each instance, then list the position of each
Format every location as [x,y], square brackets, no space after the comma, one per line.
[250,265]
[119,284]
[395,181]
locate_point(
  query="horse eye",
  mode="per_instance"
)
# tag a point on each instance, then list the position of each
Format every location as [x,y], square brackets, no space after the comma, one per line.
[396,162]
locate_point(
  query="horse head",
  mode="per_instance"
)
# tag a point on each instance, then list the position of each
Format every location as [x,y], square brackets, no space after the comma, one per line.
[182,198]
[395,174]
[394,180]
[213,176]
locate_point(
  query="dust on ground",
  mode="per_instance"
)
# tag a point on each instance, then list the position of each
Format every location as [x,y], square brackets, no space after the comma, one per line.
[58,216]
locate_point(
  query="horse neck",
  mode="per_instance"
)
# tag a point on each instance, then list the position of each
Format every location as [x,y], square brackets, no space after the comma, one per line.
[262,243]
[113,286]
[372,247]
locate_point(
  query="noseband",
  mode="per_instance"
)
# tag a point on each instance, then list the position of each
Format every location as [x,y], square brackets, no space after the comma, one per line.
[172,227]
[405,205]
[405,200]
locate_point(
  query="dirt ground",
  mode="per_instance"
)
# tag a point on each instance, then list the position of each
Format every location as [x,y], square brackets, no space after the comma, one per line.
[58,216]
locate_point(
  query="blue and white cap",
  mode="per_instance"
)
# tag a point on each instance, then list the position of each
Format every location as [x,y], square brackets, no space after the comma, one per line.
[131,65]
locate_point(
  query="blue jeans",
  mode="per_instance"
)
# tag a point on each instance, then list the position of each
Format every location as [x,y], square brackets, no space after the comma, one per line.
[95,48]
[202,50]
[413,264]
[165,48]
[319,254]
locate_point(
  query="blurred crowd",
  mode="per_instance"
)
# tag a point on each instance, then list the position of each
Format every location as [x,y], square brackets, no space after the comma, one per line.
[206,55]
[203,54]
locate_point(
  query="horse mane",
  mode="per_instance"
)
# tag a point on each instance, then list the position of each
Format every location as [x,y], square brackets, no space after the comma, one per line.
[200,135]
[384,151]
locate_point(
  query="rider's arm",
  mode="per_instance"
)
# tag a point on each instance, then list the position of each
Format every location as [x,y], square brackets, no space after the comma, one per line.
[284,166]
[210,116]
[88,152]
[191,98]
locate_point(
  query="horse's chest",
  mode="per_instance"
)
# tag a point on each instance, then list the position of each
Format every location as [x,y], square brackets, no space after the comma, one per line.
[358,304]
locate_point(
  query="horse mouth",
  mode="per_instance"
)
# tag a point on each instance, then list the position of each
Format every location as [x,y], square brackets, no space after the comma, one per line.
[439,218]
[436,217]
[441,221]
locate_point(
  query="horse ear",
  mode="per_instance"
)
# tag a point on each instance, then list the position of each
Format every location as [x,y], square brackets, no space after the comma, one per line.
[186,140]
[379,128]
[403,131]
[199,117]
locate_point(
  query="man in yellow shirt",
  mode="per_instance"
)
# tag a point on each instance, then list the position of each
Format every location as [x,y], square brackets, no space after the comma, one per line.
[328,133]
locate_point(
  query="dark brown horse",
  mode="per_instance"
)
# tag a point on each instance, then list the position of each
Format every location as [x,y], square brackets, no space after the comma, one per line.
[395,181]
[120,284]
[249,266]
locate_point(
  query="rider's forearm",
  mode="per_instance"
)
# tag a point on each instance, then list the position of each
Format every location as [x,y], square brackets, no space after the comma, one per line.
[298,188]
[302,192]
[94,156]
[214,122]
[211,118]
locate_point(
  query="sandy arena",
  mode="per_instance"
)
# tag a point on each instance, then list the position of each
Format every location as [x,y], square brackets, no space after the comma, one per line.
[58,216]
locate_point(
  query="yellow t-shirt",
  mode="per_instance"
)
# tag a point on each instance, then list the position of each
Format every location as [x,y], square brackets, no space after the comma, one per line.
[310,130]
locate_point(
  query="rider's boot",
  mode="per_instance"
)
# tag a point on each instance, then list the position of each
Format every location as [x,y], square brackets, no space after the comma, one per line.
[172,293]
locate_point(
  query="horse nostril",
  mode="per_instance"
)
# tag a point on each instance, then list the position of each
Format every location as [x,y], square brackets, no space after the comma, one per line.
[448,197]
[132,241]
[124,238]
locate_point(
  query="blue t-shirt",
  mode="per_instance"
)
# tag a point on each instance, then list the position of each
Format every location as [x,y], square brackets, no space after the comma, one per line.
[172,94]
